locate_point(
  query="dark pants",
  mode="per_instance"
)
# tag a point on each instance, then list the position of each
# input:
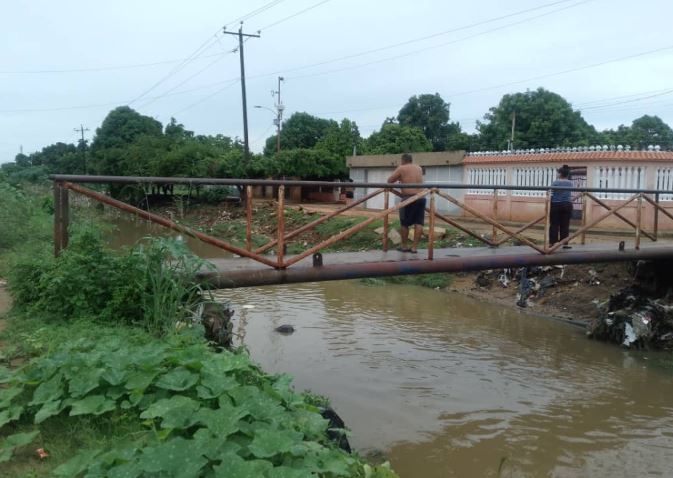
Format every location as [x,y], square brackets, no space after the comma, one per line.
[559,219]
[414,213]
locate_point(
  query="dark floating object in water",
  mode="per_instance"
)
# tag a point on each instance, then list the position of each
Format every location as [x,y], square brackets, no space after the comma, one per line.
[285,329]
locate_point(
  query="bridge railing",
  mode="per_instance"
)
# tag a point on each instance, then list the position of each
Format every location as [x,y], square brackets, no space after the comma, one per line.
[65,183]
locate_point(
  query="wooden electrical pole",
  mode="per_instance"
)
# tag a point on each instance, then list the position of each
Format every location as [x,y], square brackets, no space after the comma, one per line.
[246,144]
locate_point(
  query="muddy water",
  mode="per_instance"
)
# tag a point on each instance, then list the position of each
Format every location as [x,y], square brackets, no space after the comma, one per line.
[445,386]
[127,231]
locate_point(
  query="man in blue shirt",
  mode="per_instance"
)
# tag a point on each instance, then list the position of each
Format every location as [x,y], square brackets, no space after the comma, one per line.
[561,207]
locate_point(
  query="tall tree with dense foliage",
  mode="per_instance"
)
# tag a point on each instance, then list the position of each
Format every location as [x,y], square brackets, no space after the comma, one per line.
[341,139]
[301,130]
[543,120]
[430,113]
[643,132]
[394,138]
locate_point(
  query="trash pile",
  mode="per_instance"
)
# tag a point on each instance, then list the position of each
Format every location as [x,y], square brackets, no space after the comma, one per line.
[640,315]
[531,282]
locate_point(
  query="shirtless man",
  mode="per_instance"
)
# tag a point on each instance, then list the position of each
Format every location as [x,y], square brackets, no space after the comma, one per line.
[413,214]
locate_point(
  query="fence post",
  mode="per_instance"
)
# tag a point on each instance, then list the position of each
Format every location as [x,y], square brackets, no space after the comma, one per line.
[61,217]
[656,216]
[583,237]
[248,217]
[547,214]
[494,234]
[431,224]
[386,199]
[639,217]
[281,226]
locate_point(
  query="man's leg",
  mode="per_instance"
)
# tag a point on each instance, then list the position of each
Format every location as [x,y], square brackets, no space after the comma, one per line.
[404,234]
[418,232]
[553,225]
[564,226]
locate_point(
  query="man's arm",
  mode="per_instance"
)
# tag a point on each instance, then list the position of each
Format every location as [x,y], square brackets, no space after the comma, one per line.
[396,176]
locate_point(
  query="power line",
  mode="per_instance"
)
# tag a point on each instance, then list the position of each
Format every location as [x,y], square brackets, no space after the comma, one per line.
[427,37]
[294,15]
[440,45]
[100,68]
[253,13]
[202,100]
[563,72]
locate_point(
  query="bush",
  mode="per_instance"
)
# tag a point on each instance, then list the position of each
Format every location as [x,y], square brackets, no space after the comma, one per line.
[22,219]
[150,285]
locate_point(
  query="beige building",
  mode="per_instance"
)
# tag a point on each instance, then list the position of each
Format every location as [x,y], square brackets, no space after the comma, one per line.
[446,166]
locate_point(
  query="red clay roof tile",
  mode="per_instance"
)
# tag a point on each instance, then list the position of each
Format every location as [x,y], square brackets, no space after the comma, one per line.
[561,157]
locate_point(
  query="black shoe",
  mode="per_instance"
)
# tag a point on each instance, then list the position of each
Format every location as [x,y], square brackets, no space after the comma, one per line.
[567,247]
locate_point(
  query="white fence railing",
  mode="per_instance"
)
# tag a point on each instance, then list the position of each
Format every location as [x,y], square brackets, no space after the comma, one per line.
[665,183]
[618,177]
[487,177]
[533,176]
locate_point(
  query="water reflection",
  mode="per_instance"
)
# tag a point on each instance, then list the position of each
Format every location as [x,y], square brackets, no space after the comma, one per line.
[452,387]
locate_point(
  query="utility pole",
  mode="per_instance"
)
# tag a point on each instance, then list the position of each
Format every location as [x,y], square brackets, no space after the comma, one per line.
[279,113]
[246,144]
[81,130]
[511,140]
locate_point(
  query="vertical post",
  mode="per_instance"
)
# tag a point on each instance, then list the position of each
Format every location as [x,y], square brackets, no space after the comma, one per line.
[583,237]
[248,217]
[279,115]
[386,219]
[639,217]
[61,217]
[547,215]
[431,224]
[656,216]
[281,226]
[494,233]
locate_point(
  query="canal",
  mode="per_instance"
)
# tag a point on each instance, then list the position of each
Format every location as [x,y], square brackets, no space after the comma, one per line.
[444,386]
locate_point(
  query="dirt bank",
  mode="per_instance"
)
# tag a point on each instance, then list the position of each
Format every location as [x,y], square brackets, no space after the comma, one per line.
[573,293]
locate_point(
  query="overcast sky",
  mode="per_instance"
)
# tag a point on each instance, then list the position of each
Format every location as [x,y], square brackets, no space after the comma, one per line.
[394,49]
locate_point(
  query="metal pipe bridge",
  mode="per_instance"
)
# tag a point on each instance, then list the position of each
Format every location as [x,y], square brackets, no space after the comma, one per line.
[255,266]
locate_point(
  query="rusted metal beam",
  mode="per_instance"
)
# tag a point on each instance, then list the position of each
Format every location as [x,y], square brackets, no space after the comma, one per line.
[61,217]
[248,278]
[431,224]
[656,216]
[494,232]
[491,221]
[521,229]
[352,230]
[280,218]
[639,219]
[386,219]
[658,207]
[248,217]
[168,223]
[76,178]
[547,219]
[583,237]
[320,220]
[620,216]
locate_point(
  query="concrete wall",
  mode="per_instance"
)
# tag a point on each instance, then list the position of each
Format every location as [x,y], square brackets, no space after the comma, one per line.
[636,174]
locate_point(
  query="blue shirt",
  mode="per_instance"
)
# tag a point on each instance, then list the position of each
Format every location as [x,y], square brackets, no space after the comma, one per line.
[561,196]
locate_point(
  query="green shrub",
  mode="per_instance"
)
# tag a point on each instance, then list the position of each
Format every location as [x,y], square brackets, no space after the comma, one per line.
[198,413]
[151,285]
[22,220]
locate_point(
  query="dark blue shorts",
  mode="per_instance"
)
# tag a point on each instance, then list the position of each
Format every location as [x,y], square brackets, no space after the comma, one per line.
[413,213]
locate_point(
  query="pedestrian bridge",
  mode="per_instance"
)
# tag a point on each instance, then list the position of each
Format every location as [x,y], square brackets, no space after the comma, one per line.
[257,266]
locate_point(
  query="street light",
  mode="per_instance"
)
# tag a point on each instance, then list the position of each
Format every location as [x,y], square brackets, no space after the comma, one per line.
[276,122]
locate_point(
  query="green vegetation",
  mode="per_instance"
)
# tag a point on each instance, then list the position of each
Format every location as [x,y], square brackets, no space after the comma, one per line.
[105,368]
[107,407]
[432,281]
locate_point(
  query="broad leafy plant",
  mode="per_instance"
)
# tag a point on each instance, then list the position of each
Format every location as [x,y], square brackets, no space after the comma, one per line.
[204,414]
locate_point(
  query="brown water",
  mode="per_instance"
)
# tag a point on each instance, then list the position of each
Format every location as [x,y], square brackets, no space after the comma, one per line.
[446,386]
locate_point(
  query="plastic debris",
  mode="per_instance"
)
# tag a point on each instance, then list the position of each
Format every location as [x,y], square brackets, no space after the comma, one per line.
[41,453]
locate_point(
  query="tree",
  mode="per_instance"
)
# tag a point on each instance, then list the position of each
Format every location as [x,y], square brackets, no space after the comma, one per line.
[341,139]
[395,139]
[121,128]
[301,130]
[430,113]
[543,119]
[309,164]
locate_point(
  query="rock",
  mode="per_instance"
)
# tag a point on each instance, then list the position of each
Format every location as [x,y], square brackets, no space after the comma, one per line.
[393,235]
[285,329]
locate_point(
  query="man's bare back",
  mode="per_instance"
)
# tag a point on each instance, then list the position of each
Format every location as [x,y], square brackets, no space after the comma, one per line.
[407,174]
